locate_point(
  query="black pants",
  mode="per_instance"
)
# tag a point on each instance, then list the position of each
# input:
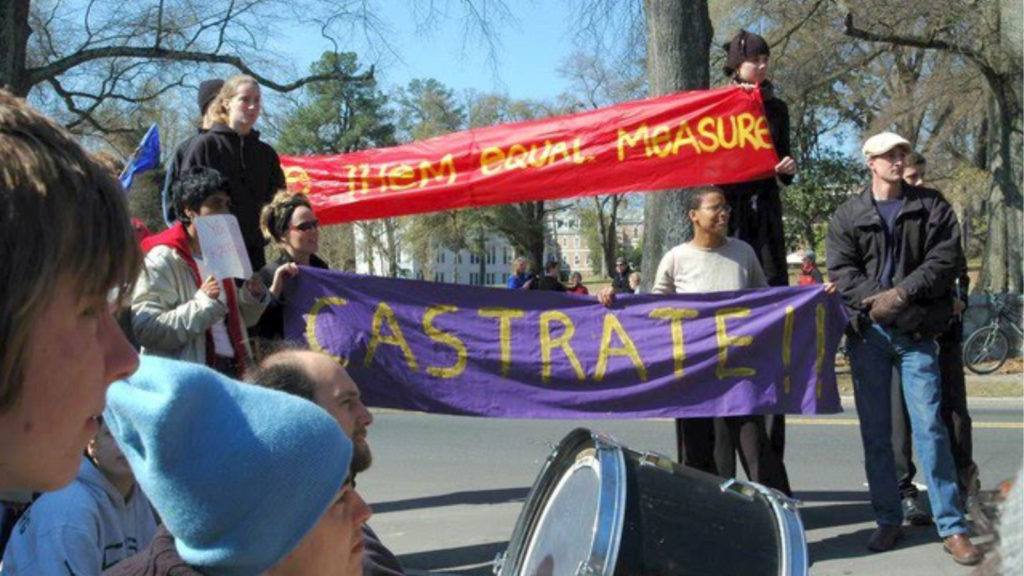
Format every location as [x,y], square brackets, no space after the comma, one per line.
[954,414]
[712,444]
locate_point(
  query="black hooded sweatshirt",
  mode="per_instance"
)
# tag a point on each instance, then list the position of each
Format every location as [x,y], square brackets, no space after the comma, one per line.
[254,174]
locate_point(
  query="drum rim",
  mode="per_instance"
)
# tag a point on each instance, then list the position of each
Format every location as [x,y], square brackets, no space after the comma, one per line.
[793,559]
[604,546]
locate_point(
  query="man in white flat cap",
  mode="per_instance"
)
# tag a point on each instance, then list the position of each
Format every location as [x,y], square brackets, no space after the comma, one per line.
[892,252]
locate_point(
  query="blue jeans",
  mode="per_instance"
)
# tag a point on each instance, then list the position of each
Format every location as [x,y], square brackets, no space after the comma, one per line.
[872,358]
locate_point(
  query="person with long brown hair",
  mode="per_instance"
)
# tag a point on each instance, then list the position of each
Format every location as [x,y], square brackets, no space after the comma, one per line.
[232,146]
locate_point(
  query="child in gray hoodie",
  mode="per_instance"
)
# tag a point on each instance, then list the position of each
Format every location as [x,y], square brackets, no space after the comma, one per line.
[97,521]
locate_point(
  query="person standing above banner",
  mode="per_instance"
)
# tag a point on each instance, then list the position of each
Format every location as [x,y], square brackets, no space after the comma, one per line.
[757,204]
[892,251]
[233,147]
[208,90]
[179,309]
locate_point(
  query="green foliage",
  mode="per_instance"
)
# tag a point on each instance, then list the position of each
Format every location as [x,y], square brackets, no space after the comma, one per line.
[144,198]
[427,108]
[821,186]
[338,117]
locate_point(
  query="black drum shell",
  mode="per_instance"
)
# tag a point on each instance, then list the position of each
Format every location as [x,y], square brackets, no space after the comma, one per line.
[676,520]
[681,523]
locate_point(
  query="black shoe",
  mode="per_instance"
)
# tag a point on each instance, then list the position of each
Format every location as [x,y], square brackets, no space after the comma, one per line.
[884,538]
[914,514]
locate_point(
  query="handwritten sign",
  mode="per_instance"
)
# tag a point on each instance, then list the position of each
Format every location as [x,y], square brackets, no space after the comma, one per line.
[224,253]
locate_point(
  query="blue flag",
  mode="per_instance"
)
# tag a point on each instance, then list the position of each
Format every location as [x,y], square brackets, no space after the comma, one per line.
[146,157]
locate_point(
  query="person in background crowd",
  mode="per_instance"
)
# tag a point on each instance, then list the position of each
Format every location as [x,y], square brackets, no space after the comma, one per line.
[914,169]
[576,284]
[319,379]
[179,309]
[99,520]
[233,147]
[549,281]
[292,227]
[634,282]
[714,262]
[520,279]
[892,251]
[954,392]
[208,90]
[69,255]
[809,273]
[757,204]
[620,280]
[247,481]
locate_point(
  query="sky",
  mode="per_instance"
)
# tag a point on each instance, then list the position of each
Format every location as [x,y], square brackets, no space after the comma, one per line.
[530,50]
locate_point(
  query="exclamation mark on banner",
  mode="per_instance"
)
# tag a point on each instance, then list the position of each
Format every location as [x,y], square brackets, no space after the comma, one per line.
[787,349]
[819,358]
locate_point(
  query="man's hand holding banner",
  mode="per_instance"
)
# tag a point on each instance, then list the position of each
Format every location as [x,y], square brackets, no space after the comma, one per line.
[454,349]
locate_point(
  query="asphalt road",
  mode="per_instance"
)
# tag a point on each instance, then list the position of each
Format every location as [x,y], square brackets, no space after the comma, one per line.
[446,491]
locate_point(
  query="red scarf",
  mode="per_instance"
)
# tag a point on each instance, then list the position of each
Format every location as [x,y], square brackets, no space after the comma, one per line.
[176,238]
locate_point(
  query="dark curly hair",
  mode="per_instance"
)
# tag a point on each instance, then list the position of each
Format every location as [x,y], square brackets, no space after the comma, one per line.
[196,185]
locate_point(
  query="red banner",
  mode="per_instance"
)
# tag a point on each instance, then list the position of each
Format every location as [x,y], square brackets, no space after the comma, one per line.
[677,141]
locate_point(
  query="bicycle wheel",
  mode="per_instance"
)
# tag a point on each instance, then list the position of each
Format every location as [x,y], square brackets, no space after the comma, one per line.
[986,350]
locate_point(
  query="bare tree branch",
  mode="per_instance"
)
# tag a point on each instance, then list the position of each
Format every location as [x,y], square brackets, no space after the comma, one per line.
[58,67]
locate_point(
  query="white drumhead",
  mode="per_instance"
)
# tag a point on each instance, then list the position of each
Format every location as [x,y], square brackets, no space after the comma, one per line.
[564,535]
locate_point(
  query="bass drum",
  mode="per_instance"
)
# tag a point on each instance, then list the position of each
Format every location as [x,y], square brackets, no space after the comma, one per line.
[601,509]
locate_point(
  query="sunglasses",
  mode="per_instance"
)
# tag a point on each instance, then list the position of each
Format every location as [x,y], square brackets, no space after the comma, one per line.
[307,226]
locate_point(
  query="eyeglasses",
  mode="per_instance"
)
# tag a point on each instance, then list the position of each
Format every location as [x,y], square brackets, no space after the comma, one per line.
[307,226]
[718,209]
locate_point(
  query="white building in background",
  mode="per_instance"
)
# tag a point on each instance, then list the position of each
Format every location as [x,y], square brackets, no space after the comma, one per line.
[375,262]
[464,267]
[565,241]
[574,249]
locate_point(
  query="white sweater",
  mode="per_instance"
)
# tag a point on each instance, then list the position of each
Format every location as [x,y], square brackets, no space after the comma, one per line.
[688,269]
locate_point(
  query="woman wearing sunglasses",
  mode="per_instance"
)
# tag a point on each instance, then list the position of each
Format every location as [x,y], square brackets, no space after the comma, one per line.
[289,223]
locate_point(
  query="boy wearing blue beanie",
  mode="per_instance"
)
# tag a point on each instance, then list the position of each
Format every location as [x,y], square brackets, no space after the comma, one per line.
[248,481]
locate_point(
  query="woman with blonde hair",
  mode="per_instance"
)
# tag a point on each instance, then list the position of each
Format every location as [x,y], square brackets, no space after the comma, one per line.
[289,223]
[233,147]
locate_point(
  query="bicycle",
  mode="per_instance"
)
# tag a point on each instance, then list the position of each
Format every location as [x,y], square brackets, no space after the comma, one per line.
[987,348]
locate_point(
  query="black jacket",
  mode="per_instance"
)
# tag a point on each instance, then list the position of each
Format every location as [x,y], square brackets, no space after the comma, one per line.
[757,204]
[271,324]
[620,282]
[925,259]
[254,174]
[548,283]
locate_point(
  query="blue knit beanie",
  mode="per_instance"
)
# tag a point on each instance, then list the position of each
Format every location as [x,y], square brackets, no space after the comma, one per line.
[238,473]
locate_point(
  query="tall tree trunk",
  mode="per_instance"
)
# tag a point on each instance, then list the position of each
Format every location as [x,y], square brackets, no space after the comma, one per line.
[678,51]
[1001,269]
[14,33]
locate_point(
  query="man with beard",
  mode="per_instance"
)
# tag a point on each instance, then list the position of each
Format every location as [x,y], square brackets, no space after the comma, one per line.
[318,378]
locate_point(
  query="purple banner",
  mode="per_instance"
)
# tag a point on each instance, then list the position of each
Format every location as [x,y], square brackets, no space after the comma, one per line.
[453,349]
